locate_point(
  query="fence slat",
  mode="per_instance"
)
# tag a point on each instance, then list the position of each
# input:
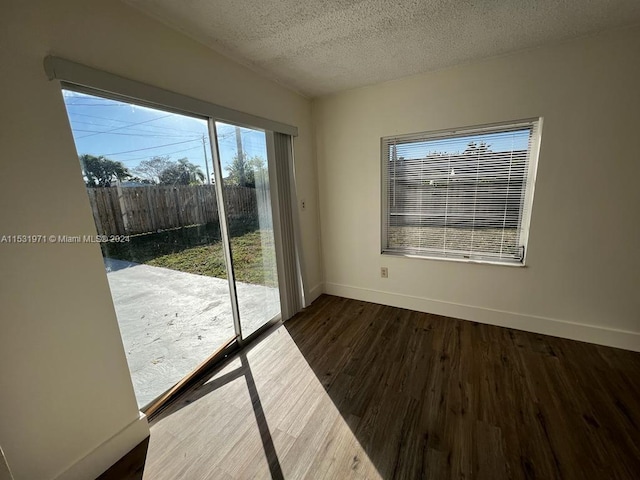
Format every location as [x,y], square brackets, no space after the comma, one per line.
[137,210]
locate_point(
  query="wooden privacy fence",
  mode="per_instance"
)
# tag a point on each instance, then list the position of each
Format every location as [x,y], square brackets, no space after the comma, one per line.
[145,209]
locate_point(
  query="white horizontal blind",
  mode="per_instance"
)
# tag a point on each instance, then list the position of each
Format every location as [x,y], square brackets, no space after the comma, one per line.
[462,195]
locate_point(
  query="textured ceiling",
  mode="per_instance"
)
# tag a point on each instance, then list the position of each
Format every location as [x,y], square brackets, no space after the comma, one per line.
[321,47]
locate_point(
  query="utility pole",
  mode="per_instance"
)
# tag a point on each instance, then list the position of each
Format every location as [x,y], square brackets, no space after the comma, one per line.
[241,179]
[206,162]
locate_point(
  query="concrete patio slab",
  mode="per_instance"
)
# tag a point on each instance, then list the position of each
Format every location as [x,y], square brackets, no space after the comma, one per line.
[171,321]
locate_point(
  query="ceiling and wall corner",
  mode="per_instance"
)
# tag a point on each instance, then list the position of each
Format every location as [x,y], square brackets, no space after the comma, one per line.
[327,46]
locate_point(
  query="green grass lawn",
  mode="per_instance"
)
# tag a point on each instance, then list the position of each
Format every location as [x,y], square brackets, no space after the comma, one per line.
[198,249]
[252,263]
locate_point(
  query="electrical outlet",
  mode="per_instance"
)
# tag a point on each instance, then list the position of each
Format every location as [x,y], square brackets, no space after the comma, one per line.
[384,272]
[303,204]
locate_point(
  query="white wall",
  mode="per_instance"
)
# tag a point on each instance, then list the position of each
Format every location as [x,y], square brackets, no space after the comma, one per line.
[65,388]
[583,271]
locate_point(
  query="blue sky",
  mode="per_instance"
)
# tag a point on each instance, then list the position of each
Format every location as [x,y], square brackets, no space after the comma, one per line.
[131,133]
[497,142]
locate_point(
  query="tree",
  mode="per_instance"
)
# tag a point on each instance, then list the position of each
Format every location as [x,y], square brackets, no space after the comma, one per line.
[244,172]
[239,173]
[258,168]
[150,170]
[474,148]
[181,172]
[102,172]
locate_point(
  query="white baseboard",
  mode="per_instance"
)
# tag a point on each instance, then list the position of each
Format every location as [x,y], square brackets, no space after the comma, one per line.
[105,455]
[314,293]
[530,323]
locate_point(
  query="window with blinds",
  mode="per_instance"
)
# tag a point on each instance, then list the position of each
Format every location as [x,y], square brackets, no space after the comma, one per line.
[463,194]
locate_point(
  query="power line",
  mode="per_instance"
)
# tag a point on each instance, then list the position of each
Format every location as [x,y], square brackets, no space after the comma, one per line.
[148,133]
[159,135]
[151,148]
[220,135]
[131,124]
[125,126]
[164,155]
[151,132]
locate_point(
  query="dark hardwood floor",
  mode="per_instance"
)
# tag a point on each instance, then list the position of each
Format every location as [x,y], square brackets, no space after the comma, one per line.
[350,389]
[129,467]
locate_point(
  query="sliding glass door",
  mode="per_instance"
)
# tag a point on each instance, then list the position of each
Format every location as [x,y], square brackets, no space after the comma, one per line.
[243,154]
[187,274]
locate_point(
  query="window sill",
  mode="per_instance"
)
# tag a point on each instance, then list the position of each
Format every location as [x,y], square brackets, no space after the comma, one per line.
[457,260]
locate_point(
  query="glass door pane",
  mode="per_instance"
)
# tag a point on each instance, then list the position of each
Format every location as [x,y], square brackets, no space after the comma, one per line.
[148,175]
[243,157]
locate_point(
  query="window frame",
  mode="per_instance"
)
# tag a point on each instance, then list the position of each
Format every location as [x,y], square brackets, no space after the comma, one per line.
[535,123]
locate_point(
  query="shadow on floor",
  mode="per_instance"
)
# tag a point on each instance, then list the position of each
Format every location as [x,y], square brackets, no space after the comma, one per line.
[206,386]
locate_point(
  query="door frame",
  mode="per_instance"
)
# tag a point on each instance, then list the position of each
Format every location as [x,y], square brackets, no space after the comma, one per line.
[83,79]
